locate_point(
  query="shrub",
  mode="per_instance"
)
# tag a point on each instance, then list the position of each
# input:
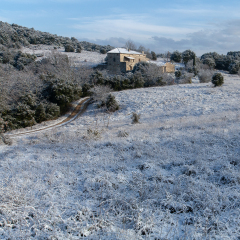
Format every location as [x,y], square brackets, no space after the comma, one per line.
[24,115]
[69,48]
[2,125]
[210,62]
[103,51]
[137,80]
[78,50]
[178,74]
[122,133]
[85,89]
[40,114]
[193,70]
[100,94]
[135,118]
[205,76]
[111,103]
[93,134]
[52,111]
[234,67]
[6,139]
[186,78]
[63,92]
[217,79]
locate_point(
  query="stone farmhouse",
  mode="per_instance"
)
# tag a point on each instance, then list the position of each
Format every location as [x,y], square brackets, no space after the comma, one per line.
[121,60]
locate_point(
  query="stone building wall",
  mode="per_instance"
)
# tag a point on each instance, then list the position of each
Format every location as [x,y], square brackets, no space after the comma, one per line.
[114,63]
[170,68]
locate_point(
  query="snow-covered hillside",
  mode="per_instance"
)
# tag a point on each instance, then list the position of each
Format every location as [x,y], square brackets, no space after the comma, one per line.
[173,176]
[85,58]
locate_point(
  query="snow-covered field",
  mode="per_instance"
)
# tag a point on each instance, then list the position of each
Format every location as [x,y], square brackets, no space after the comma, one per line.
[85,58]
[173,176]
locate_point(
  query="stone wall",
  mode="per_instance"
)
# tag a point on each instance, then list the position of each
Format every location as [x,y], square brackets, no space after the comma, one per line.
[170,68]
[114,63]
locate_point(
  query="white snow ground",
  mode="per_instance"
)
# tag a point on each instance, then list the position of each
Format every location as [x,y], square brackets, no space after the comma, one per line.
[85,58]
[173,176]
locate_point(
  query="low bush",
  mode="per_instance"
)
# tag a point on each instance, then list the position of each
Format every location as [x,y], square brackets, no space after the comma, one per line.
[69,48]
[210,62]
[178,74]
[234,67]
[78,50]
[111,103]
[185,78]
[205,76]
[217,79]
[122,133]
[103,51]
[135,118]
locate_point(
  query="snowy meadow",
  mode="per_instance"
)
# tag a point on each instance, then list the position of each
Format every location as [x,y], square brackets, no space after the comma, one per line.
[174,175]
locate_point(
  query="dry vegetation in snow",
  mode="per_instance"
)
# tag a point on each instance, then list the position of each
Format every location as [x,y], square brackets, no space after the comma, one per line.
[175,175]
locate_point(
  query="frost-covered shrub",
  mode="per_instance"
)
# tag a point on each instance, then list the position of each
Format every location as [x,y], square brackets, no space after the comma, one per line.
[16,58]
[78,50]
[6,139]
[103,51]
[135,118]
[122,133]
[111,103]
[234,67]
[217,79]
[99,94]
[69,48]
[178,74]
[40,114]
[205,76]
[97,78]
[52,110]
[93,133]
[186,78]
[210,62]
[86,89]
[2,125]
[63,92]
[137,80]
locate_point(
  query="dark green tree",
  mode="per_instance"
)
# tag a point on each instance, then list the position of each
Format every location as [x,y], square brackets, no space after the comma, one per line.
[154,56]
[176,56]
[188,55]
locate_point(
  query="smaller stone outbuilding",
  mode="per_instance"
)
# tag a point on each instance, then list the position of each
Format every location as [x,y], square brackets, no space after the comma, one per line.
[121,60]
[168,67]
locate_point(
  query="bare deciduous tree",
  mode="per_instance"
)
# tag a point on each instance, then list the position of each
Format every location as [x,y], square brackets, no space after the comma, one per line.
[130,45]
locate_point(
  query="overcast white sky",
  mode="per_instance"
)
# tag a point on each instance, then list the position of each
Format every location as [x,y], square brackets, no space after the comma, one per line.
[201,26]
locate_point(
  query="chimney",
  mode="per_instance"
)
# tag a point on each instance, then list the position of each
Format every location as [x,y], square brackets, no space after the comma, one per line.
[129,49]
[142,52]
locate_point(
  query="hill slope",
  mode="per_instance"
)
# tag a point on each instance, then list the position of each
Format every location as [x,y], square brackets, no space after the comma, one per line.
[13,35]
[174,176]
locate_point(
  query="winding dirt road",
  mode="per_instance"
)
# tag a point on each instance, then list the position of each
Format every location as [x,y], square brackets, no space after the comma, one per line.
[78,110]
